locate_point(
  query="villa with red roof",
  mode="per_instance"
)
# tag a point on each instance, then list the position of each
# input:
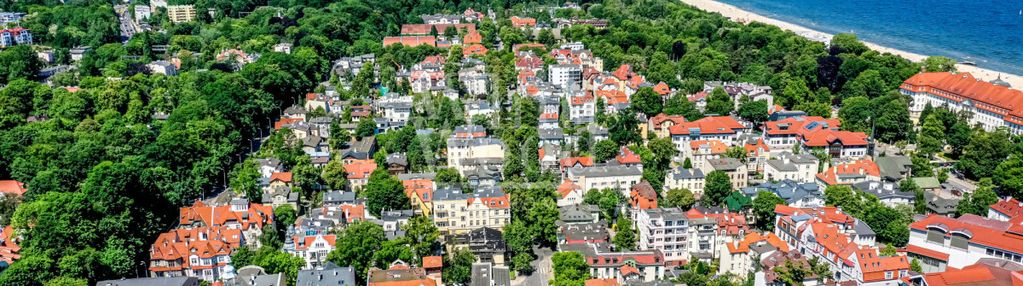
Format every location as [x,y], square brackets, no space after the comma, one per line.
[941,242]
[358,172]
[628,158]
[844,243]
[849,173]
[783,134]
[420,193]
[991,104]
[522,22]
[660,123]
[569,194]
[723,128]
[205,238]
[312,248]
[738,257]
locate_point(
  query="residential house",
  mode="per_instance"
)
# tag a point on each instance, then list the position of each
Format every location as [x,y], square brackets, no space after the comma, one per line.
[849,173]
[616,177]
[523,22]
[358,172]
[206,236]
[682,178]
[886,192]
[739,257]
[399,273]
[644,265]
[428,75]
[894,168]
[845,244]
[570,194]
[486,274]
[328,274]
[455,212]
[735,169]
[795,193]
[784,133]
[393,222]
[441,19]
[420,193]
[788,166]
[1005,209]
[642,197]
[486,243]
[699,151]
[672,232]
[660,124]
[252,275]
[723,128]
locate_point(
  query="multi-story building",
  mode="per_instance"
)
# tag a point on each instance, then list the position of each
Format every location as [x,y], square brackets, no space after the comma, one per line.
[940,242]
[455,212]
[739,257]
[738,90]
[465,153]
[1005,209]
[181,13]
[581,107]
[844,243]
[678,234]
[795,193]
[682,178]
[566,76]
[788,166]
[312,248]
[735,169]
[15,36]
[202,244]
[991,104]
[700,151]
[615,177]
[400,273]
[723,128]
[358,172]
[987,272]
[661,123]
[784,133]
[474,78]
[394,108]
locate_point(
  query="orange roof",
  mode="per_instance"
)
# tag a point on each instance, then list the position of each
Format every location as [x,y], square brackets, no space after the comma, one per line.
[990,97]
[473,37]
[623,72]
[281,176]
[360,169]
[308,240]
[982,231]
[602,282]
[522,21]
[661,118]
[285,121]
[425,29]
[708,125]
[420,188]
[925,252]
[474,49]
[580,100]
[662,88]
[1008,206]
[9,248]
[12,187]
[517,47]
[572,161]
[433,262]
[823,138]
[567,187]
[858,167]
[629,270]
[800,125]
[775,108]
[199,213]
[411,41]
[643,196]
[976,274]
[757,148]
[626,156]
[613,96]
[715,146]
[756,238]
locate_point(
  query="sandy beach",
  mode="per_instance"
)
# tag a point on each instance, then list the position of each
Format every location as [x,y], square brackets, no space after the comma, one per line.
[743,16]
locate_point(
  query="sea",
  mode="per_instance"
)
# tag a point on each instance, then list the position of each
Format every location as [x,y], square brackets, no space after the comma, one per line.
[986,32]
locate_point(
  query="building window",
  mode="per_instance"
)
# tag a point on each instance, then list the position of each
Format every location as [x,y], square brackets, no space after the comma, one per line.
[936,236]
[959,241]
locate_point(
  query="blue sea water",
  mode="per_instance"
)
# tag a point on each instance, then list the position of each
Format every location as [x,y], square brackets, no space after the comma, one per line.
[987,32]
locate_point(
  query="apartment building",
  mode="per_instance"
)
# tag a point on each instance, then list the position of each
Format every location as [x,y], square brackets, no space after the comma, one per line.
[456,212]
[678,234]
[788,166]
[723,128]
[181,13]
[616,177]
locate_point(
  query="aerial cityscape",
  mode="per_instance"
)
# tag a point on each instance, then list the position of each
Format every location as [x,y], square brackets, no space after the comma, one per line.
[507,143]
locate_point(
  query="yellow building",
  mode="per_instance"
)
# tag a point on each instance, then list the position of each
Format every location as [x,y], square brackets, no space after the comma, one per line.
[181,13]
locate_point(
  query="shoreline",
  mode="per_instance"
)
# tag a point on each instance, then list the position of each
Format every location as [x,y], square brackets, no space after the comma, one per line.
[737,14]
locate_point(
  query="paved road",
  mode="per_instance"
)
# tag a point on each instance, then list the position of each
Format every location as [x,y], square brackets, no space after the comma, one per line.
[127,26]
[543,271]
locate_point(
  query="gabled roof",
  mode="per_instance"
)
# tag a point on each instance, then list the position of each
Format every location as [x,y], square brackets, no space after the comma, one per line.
[12,187]
[626,156]
[567,187]
[708,125]
[863,167]
[1009,207]
[987,271]
[281,176]
[360,169]
[994,98]
[980,230]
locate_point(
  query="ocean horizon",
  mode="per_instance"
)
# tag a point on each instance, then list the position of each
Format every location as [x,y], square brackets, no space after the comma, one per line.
[988,33]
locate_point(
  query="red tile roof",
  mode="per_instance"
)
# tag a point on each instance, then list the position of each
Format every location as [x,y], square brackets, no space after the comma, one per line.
[997,99]
[858,167]
[662,88]
[925,252]
[756,148]
[976,274]
[9,248]
[715,146]
[411,41]
[281,176]
[472,38]
[360,169]
[572,161]
[567,187]
[602,282]
[12,187]
[1009,207]
[709,125]
[199,213]
[522,21]
[660,119]
[629,270]
[433,262]
[285,121]
[613,96]
[743,245]
[517,47]
[308,240]
[982,231]
[424,29]
[823,138]
[800,125]
[420,188]
[626,156]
